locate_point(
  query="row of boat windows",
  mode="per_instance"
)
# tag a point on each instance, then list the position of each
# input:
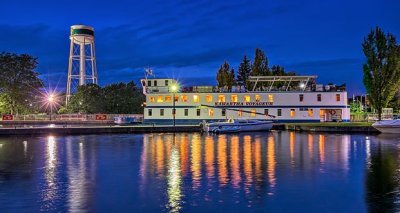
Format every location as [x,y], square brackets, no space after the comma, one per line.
[223,98]
[240,112]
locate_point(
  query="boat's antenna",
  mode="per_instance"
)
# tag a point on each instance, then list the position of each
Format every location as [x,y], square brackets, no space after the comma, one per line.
[148,72]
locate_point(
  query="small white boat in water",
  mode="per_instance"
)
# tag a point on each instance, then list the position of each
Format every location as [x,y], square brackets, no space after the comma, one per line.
[388,126]
[237,125]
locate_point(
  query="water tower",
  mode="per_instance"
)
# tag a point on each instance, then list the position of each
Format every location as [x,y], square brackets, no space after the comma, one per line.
[82,59]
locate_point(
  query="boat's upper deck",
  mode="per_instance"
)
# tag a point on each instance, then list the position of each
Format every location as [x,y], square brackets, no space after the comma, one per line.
[258,84]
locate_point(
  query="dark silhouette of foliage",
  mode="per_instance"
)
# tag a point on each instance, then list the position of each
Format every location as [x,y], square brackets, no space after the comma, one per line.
[382,68]
[19,82]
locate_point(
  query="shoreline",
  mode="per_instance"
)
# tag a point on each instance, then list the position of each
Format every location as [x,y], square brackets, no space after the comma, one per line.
[84,127]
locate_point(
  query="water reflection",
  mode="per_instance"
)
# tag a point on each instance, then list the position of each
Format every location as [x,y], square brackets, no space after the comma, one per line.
[244,162]
[174,181]
[192,172]
[51,189]
[383,175]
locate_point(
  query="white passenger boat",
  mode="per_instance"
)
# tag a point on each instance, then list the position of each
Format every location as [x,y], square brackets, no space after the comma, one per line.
[237,125]
[281,99]
[388,126]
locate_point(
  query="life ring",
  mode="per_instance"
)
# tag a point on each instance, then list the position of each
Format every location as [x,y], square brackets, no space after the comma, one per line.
[332,112]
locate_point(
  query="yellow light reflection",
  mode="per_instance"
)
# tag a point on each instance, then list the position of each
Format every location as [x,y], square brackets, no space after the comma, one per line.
[292,145]
[257,160]
[196,162]
[160,156]
[174,181]
[322,148]
[222,161]
[184,154]
[209,158]
[310,145]
[271,161]
[247,164]
[235,162]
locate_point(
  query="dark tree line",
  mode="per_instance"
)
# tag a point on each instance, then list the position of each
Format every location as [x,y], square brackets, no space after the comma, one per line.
[382,68]
[117,98]
[259,67]
[20,86]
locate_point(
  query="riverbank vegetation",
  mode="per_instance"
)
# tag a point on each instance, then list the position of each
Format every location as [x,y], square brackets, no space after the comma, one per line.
[117,98]
[382,69]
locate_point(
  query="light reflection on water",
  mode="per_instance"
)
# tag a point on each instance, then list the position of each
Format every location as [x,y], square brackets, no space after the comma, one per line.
[193,172]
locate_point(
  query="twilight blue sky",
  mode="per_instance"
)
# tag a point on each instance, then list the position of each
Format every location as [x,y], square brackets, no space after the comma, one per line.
[189,39]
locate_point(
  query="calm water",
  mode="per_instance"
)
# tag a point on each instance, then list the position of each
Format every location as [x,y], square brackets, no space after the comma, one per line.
[276,171]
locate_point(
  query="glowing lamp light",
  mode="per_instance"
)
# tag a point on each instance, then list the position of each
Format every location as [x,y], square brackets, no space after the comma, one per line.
[302,85]
[51,98]
[174,88]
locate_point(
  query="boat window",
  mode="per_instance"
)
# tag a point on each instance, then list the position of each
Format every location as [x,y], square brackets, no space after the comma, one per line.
[279,112]
[240,113]
[155,83]
[221,98]
[161,112]
[150,112]
[270,98]
[196,98]
[292,112]
[337,97]
[198,112]
[210,112]
[301,97]
[176,98]
[149,83]
[186,112]
[253,113]
[184,98]
[166,82]
[246,98]
[167,98]
[258,98]
[266,112]
[319,98]
[151,99]
[234,98]
[160,98]
[310,112]
[223,112]
[208,98]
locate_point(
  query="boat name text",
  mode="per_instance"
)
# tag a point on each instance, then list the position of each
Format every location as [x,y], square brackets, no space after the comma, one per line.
[243,103]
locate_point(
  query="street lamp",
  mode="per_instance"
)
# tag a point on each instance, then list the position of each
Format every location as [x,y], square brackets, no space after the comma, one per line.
[174,88]
[50,101]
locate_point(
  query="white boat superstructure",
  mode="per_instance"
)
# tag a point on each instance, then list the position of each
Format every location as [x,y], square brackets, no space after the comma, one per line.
[388,126]
[285,98]
[237,125]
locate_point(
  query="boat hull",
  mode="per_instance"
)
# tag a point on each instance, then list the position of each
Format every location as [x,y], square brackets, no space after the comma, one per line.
[238,127]
[390,126]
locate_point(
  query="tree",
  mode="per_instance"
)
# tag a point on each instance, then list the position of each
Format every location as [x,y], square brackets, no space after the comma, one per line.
[122,98]
[243,72]
[87,99]
[277,70]
[382,68]
[260,64]
[225,76]
[19,80]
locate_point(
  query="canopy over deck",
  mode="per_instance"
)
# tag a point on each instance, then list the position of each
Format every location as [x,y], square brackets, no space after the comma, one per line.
[303,80]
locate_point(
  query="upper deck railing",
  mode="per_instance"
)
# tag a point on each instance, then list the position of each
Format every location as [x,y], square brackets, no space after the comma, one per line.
[257,84]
